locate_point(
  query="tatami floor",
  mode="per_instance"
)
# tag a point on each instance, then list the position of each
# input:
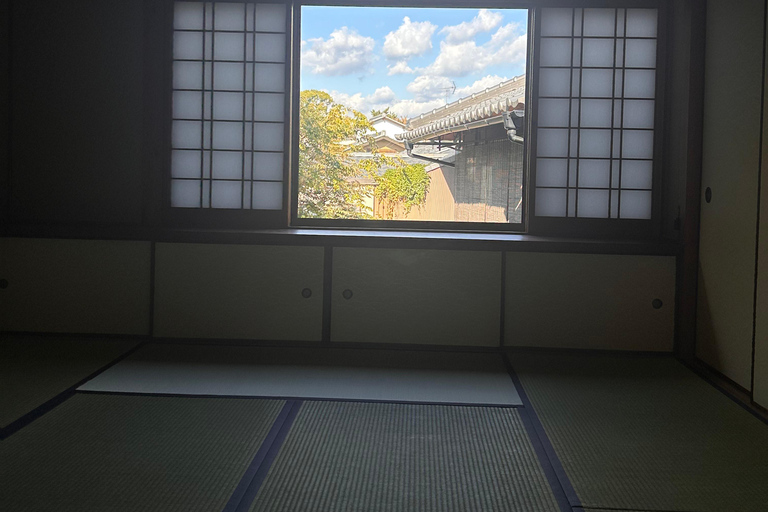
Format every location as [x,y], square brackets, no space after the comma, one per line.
[110,424]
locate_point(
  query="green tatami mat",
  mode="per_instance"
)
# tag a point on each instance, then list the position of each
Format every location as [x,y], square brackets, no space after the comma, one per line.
[396,457]
[35,369]
[133,453]
[646,433]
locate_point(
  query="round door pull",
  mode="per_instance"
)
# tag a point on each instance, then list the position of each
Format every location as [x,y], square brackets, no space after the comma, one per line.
[306,293]
[347,294]
[657,303]
[3,284]
[708,195]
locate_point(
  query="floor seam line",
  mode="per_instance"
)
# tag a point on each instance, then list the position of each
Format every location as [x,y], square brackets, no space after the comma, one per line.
[254,476]
[559,482]
[60,398]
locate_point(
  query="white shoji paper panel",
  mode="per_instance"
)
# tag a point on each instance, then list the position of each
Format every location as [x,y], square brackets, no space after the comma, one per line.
[229,81]
[596,111]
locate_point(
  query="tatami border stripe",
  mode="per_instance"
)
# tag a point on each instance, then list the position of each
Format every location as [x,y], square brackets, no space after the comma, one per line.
[60,398]
[558,479]
[612,509]
[254,476]
[303,399]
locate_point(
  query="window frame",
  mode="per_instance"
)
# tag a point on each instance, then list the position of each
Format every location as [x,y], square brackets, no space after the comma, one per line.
[405,225]
[287,217]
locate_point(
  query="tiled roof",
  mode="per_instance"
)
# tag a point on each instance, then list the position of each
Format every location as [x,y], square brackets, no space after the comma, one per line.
[456,116]
[384,117]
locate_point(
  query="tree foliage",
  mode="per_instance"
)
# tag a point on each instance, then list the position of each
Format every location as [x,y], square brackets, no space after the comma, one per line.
[329,133]
[403,184]
[330,178]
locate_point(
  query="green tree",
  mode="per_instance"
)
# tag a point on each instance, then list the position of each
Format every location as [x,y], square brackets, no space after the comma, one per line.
[329,178]
[329,133]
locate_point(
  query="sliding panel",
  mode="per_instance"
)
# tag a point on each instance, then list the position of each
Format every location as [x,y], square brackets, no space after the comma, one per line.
[597,104]
[760,383]
[730,168]
[591,301]
[229,104]
[760,389]
[416,296]
[238,291]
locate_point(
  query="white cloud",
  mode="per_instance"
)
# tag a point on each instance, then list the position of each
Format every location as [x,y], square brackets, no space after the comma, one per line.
[480,85]
[400,68]
[380,98]
[485,21]
[461,59]
[412,108]
[343,53]
[384,97]
[456,60]
[505,33]
[507,45]
[411,39]
[428,87]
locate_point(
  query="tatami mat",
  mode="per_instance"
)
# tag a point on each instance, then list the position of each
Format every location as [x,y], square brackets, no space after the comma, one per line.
[645,433]
[341,374]
[34,369]
[403,457]
[129,453]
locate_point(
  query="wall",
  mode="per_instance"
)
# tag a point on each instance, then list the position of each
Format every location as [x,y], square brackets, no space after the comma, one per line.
[484,186]
[77,112]
[75,286]
[77,82]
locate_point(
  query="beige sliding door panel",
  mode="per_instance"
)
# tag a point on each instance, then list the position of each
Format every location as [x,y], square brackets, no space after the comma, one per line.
[760,390]
[590,301]
[731,147]
[75,286]
[416,296]
[238,291]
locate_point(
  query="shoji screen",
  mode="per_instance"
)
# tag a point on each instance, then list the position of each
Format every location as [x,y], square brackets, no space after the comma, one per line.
[229,94]
[596,109]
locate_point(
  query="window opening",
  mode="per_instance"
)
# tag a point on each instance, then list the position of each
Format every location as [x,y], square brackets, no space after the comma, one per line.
[412,114]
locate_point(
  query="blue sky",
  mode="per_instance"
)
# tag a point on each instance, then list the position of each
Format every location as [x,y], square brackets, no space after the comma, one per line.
[409,59]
